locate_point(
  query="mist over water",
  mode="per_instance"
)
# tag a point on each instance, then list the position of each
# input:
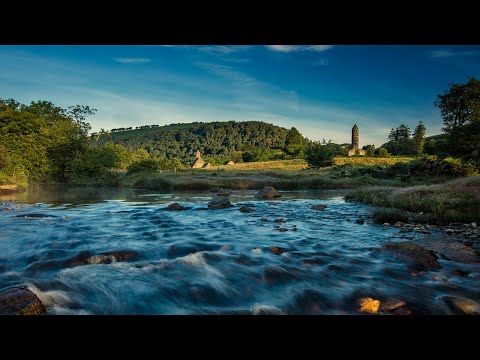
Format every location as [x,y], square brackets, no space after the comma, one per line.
[202,261]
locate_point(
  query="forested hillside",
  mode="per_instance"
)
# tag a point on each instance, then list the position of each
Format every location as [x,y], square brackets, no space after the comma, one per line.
[218,141]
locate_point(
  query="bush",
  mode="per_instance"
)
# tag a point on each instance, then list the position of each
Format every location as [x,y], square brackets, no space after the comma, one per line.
[319,156]
[153,165]
[389,215]
[382,152]
[432,165]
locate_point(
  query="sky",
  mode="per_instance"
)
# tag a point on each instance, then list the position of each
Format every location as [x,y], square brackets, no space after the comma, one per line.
[322,90]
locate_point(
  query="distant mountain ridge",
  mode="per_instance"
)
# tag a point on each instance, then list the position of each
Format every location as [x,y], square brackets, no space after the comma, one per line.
[222,141]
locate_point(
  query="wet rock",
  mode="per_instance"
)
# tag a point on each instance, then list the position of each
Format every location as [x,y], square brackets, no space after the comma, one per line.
[449,231]
[412,252]
[318,207]
[391,304]
[268,192]
[257,251]
[215,189]
[223,192]
[264,220]
[368,305]
[309,302]
[225,248]
[175,207]
[360,221]
[220,203]
[245,209]
[277,250]
[276,275]
[458,272]
[266,310]
[206,294]
[281,229]
[20,301]
[398,224]
[473,225]
[462,305]
[36,216]
[279,221]
[450,249]
[314,261]
[178,250]
[111,257]
[386,224]
[402,311]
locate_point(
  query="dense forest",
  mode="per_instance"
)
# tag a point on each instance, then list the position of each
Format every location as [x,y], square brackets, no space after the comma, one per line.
[217,141]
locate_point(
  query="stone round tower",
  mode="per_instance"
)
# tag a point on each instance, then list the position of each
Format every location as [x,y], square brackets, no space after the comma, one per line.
[355,137]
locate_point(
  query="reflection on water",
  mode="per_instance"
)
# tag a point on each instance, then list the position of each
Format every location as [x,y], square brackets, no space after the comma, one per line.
[201,261]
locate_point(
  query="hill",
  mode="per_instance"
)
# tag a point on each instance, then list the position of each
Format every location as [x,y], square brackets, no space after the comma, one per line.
[217,141]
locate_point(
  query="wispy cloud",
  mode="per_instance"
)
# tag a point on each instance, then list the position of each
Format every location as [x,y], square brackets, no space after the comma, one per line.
[446,53]
[124,60]
[294,48]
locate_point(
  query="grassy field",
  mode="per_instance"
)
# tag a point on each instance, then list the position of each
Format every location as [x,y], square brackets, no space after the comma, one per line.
[452,201]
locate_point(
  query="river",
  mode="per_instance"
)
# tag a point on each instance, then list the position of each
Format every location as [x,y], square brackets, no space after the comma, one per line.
[204,261]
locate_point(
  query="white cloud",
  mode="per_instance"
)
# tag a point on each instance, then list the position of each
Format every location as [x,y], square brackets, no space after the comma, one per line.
[294,48]
[132,60]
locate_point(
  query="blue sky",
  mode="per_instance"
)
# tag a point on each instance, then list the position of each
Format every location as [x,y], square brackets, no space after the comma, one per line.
[320,89]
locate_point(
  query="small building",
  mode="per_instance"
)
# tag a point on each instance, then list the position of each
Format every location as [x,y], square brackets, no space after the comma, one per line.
[355,141]
[199,162]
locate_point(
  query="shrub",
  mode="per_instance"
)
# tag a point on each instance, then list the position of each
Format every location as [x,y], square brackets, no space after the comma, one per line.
[382,152]
[319,156]
[153,165]
[383,215]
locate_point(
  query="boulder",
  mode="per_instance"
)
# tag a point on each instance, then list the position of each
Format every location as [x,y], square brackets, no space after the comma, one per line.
[20,301]
[175,207]
[452,250]
[386,224]
[220,203]
[318,207]
[268,192]
[111,257]
[462,305]
[412,252]
[245,209]
[391,304]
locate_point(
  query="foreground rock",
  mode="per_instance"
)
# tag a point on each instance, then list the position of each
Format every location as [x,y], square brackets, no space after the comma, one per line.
[268,192]
[462,306]
[220,203]
[175,207]
[452,250]
[413,253]
[20,301]
[368,305]
[245,209]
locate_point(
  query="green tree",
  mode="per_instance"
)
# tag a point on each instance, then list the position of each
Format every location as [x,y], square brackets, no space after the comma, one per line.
[318,155]
[460,110]
[370,150]
[294,143]
[382,152]
[419,138]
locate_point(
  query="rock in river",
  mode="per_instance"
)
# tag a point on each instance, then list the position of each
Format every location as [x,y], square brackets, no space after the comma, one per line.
[245,209]
[462,305]
[412,252]
[220,203]
[114,256]
[318,207]
[268,192]
[20,301]
[175,207]
[449,248]
[368,305]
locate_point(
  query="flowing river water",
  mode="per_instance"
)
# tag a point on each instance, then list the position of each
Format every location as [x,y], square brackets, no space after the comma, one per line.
[205,261]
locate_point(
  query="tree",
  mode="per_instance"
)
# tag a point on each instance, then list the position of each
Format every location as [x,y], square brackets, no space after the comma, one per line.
[382,152]
[460,110]
[318,155]
[370,150]
[419,138]
[393,136]
[294,143]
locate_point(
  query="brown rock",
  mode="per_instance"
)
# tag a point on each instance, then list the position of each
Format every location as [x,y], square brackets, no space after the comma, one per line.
[462,305]
[453,250]
[220,203]
[402,311]
[245,209]
[268,192]
[318,207]
[412,252]
[277,250]
[175,207]
[368,305]
[391,304]
[20,301]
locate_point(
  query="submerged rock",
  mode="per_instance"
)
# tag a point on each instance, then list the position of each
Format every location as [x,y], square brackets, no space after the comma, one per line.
[20,301]
[268,192]
[360,221]
[220,203]
[368,305]
[462,305]
[36,216]
[111,257]
[277,250]
[279,220]
[318,207]
[412,252]
[245,209]
[175,207]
